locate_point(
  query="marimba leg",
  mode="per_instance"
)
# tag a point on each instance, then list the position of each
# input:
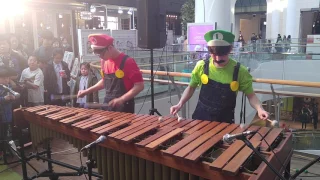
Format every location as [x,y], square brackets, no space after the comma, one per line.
[165,172]
[135,170]
[110,164]
[104,163]
[122,166]
[157,171]
[142,169]
[128,165]
[149,170]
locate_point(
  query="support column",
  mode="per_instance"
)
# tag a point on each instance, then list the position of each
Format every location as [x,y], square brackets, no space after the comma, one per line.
[106,17]
[35,29]
[54,23]
[269,19]
[275,27]
[291,23]
[214,11]
[2,25]
[232,15]
[11,25]
[133,25]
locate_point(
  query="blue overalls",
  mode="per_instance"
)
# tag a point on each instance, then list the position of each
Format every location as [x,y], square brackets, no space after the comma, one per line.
[115,88]
[216,100]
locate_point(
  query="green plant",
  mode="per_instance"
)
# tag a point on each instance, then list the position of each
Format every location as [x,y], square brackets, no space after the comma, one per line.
[187,13]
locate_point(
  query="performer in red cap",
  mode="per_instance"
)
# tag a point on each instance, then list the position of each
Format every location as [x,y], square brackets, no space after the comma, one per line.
[121,77]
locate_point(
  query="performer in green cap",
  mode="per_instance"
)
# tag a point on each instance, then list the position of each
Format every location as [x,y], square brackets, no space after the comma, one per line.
[220,78]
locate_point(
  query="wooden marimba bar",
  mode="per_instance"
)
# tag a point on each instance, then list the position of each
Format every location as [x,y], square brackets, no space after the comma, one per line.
[140,147]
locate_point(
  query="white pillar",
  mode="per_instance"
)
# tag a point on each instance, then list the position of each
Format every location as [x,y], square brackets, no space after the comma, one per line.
[133,26]
[232,16]
[2,26]
[199,12]
[54,24]
[11,25]
[291,23]
[35,29]
[236,28]
[275,26]
[269,19]
[105,17]
[214,11]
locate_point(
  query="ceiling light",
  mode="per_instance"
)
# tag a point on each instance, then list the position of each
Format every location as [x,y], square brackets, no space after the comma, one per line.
[120,11]
[93,9]
[130,11]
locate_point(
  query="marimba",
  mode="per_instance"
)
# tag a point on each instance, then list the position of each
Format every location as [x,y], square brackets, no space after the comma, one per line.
[140,147]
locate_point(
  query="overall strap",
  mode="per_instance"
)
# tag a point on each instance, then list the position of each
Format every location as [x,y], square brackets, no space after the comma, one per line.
[123,61]
[206,66]
[236,72]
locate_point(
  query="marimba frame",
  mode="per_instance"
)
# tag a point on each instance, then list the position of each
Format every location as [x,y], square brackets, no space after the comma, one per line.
[197,168]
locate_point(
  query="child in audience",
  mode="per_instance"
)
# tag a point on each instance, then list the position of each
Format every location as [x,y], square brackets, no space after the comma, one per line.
[85,81]
[33,79]
[56,76]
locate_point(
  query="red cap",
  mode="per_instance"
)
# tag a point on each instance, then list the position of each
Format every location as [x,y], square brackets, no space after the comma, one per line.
[99,41]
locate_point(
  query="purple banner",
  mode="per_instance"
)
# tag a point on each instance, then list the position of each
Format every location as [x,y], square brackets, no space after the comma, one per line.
[196,40]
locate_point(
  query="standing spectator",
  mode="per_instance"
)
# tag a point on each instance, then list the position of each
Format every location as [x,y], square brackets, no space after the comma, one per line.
[316,29]
[65,45]
[315,116]
[278,45]
[269,46]
[253,38]
[44,52]
[253,42]
[13,60]
[6,101]
[17,46]
[242,43]
[9,58]
[56,43]
[279,39]
[33,79]
[284,43]
[288,45]
[56,76]
[305,116]
[85,81]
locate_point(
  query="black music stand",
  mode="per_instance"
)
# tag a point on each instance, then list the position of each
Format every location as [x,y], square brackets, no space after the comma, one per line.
[248,143]
[152,110]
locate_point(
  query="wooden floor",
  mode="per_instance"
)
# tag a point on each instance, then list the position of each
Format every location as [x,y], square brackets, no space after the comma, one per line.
[62,152]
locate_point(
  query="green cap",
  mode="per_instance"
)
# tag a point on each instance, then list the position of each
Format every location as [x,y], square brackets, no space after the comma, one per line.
[219,38]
